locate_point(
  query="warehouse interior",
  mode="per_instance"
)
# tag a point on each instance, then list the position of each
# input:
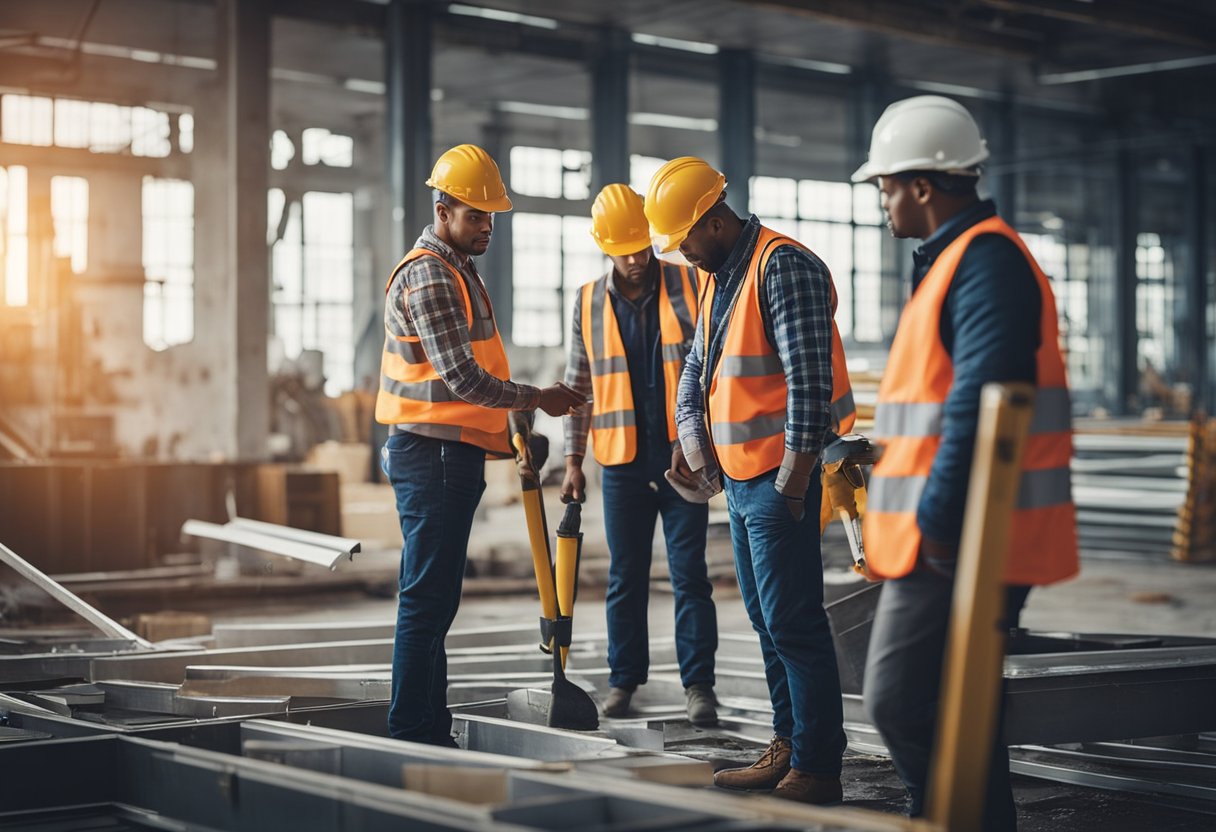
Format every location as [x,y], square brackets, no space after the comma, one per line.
[201,202]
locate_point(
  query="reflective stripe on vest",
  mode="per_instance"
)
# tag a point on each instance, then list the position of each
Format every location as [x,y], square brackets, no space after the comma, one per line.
[414,397]
[909,420]
[613,421]
[746,405]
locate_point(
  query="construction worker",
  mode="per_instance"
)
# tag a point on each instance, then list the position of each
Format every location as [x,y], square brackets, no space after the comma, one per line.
[445,392]
[980,310]
[763,383]
[632,328]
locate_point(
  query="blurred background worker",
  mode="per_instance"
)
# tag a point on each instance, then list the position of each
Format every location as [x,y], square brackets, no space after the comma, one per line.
[445,391]
[981,310]
[632,329]
[764,382]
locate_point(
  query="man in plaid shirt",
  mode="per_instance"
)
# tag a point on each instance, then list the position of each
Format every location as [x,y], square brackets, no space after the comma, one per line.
[753,407]
[445,391]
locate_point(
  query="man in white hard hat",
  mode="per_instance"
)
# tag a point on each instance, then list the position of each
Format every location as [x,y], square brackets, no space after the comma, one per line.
[981,310]
[445,391]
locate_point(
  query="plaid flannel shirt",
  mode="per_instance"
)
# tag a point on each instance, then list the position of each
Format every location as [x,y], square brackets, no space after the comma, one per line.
[797,318]
[423,301]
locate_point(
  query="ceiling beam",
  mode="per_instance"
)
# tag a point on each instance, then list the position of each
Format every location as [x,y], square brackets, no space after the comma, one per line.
[1143,19]
[893,17]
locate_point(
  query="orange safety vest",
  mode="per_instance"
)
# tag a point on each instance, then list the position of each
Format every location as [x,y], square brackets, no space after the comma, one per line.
[414,397]
[908,420]
[614,433]
[747,397]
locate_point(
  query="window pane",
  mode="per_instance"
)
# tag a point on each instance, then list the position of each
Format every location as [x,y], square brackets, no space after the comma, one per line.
[641,170]
[582,262]
[26,119]
[536,171]
[70,214]
[867,209]
[825,200]
[537,267]
[168,259]
[774,197]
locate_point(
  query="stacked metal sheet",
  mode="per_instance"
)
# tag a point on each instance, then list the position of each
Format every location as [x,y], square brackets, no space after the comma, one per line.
[1128,490]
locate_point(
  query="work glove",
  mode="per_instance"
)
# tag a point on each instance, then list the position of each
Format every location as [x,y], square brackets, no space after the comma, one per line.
[794,479]
[695,478]
[700,488]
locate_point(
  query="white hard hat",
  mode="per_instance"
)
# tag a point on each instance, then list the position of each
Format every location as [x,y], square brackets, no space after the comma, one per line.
[927,132]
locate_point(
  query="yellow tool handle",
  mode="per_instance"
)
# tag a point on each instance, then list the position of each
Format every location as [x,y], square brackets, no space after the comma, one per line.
[566,569]
[541,565]
[538,537]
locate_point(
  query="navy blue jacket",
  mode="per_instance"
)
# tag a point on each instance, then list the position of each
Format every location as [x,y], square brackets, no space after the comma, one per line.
[990,329]
[639,324]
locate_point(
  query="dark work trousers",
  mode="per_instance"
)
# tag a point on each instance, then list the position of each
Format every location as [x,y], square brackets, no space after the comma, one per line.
[780,569]
[903,676]
[635,495]
[438,485]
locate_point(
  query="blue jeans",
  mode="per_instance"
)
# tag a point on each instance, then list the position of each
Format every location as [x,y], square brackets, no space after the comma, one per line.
[438,485]
[780,571]
[635,495]
[903,676]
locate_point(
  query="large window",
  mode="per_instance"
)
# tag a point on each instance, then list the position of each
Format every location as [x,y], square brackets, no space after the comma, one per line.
[93,125]
[549,172]
[1067,266]
[842,223]
[168,258]
[313,263]
[552,254]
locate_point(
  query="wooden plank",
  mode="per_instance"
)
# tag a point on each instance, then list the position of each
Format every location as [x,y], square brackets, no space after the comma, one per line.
[975,647]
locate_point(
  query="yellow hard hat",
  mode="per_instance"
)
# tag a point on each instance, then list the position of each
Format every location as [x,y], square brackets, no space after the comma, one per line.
[618,221]
[680,193]
[469,174]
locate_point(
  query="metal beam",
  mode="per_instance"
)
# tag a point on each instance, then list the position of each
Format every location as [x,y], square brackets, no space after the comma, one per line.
[1127,344]
[408,38]
[311,547]
[895,18]
[610,110]
[1197,243]
[1134,18]
[737,125]
[69,599]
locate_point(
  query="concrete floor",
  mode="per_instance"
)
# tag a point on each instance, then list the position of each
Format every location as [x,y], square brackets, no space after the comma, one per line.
[1126,596]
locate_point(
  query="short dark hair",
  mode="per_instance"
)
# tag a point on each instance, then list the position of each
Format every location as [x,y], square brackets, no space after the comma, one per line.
[954,184]
[444,198]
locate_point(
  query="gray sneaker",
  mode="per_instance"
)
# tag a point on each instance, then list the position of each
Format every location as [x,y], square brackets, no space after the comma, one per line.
[702,704]
[616,704]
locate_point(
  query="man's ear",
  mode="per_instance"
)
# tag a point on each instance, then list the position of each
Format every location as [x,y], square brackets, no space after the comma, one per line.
[922,190]
[443,213]
[714,225]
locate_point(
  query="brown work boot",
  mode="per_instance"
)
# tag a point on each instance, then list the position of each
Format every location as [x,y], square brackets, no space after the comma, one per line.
[821,790]
[616,703]
[764,774]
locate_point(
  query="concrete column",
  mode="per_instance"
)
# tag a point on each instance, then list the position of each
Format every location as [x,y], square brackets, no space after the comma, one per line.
[610,111]
[246,61]
[737,124]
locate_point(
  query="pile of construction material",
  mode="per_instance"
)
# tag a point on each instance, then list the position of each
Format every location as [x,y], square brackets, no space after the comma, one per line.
[1130,481]
[1195,535]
